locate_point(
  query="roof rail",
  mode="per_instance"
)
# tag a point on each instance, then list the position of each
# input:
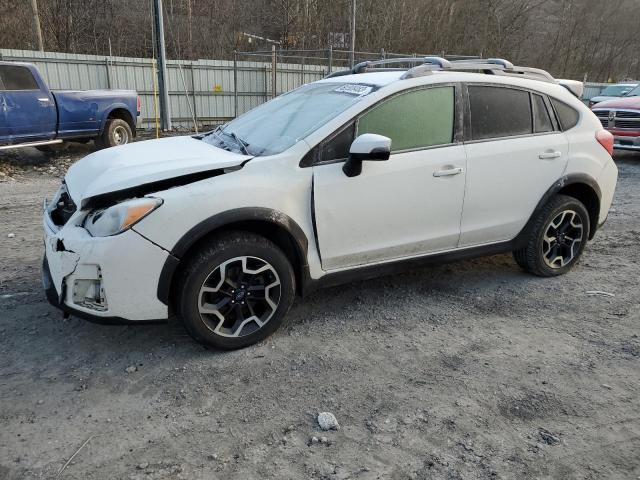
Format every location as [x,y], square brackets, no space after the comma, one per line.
[428,65]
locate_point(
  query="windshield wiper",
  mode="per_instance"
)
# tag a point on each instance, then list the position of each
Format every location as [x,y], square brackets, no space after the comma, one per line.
[241,143]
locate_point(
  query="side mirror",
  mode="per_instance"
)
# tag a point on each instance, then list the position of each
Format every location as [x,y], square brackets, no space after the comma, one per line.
[367,146]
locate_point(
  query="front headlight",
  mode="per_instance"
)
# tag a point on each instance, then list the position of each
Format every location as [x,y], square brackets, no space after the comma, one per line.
[120,217]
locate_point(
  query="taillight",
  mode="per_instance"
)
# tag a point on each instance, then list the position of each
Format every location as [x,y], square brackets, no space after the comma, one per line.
[139,105]
[605,138]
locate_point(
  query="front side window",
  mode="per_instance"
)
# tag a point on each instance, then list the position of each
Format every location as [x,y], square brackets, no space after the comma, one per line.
[278,124]
[337,147]
[498,112]
[17,78]
[413,120]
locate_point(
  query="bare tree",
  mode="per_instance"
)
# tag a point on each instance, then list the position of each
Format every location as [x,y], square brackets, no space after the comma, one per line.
[570,38]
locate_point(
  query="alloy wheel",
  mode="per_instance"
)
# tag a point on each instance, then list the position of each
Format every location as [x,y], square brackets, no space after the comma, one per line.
[239,297]
[562,239]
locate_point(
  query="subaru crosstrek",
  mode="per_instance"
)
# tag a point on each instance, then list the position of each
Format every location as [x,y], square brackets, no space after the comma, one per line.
[362,173]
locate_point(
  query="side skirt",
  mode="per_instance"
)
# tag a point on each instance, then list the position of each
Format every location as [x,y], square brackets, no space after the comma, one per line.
[399,266]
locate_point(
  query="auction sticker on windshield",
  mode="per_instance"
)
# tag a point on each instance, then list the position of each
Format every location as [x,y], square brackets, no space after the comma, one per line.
[354,89]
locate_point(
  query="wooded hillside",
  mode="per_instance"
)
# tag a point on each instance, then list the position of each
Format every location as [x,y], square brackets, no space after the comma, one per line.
[570,38]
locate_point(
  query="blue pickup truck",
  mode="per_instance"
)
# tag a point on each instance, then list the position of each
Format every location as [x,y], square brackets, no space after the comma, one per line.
[33,115]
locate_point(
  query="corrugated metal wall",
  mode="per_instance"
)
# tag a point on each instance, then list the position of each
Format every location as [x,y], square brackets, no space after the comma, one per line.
[203,88]
[593,89]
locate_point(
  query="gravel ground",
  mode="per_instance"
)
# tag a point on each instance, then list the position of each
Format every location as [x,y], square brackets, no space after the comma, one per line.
[462,371]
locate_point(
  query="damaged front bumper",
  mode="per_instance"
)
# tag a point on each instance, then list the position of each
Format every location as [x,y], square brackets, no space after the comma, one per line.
[105,279]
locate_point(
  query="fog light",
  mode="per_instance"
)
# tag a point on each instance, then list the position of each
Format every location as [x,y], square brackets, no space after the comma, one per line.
[89,293]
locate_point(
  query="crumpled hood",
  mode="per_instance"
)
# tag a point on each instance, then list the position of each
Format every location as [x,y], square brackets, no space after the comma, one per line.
[632,103]
[142,163]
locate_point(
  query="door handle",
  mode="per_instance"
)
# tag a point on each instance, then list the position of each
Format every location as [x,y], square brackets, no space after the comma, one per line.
[43,100]
[448,172]
[549,155]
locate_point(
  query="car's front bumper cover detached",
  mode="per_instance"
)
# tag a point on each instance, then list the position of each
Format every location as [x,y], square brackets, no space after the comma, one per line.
[104,279]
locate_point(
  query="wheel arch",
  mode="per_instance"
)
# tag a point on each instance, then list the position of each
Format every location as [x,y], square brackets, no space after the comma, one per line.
[271,224]
[580,186]
[121,112]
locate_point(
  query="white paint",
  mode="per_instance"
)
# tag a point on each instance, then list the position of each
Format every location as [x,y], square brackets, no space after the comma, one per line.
[369,142]
[126,166]
[130,266]
[505,181]
[395,208]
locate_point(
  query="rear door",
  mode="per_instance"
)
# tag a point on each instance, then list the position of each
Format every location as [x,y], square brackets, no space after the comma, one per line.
[515,152]
[406,206]
[29,108]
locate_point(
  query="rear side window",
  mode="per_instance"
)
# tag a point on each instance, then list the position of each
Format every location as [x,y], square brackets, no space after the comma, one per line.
[413,120]
[541,118]
[17,78]
[499,112]
[567,115]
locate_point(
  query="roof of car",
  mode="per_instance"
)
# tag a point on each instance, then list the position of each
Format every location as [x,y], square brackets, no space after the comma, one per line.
[389,78]
[379,79]
[392,74]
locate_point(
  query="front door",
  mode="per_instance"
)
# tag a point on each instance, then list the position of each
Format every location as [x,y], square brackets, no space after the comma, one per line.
[30,110]
[406,206]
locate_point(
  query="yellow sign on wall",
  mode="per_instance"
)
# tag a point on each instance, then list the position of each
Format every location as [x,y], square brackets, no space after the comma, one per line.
[217,88]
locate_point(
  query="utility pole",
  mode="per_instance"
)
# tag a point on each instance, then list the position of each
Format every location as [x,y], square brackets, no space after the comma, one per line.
[36,24]
[189,30]
[165,113]
[352,51]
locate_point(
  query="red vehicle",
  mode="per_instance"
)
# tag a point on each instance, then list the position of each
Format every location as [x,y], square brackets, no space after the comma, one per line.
[621,116]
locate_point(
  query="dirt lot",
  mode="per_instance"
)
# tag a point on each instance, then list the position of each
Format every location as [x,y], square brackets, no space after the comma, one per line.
[464,371]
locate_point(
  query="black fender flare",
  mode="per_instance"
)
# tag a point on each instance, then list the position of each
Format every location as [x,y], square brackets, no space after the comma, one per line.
[562,182]
[215,222]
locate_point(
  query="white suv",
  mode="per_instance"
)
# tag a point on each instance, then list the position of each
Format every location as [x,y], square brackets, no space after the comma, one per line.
[354,175]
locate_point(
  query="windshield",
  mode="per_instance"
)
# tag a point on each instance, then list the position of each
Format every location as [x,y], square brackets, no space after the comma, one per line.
[634,93]
[616,90]
[275,126]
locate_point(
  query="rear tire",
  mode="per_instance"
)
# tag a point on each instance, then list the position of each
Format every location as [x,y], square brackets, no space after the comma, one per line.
[558,238]
[116,132]
[235,291]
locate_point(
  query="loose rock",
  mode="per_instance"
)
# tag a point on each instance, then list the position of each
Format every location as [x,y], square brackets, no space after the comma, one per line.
[548,437]
[328,421]
[131,369]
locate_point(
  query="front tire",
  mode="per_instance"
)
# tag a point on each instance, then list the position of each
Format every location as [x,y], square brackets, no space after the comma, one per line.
[236,291]
[116,132]
[558,238]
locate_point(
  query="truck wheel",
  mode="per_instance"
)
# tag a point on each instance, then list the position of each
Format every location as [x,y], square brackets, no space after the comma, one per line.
[235,291]
[558,238]
[116,132]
